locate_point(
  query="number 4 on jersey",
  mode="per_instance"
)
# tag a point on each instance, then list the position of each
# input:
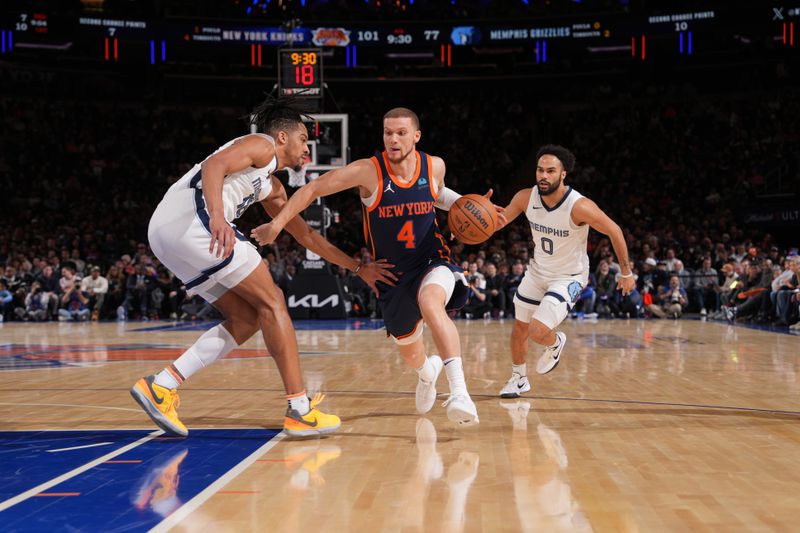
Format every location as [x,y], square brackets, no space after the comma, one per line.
[407,234]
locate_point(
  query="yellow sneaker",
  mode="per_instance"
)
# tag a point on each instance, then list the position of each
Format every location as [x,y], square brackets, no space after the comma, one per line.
[315,422]
[161,404]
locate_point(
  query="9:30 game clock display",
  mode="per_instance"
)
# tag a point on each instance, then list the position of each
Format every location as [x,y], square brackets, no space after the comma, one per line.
[300,72]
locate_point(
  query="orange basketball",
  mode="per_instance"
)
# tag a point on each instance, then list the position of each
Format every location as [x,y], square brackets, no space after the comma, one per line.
[472,219]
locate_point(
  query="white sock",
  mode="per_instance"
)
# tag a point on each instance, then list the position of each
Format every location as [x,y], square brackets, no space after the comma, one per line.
[522,369]
[425,372]
[455,375]
[299,402]
[213,344]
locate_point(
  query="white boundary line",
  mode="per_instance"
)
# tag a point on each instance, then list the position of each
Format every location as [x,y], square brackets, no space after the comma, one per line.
[190,506]
[79,447]
[72,473]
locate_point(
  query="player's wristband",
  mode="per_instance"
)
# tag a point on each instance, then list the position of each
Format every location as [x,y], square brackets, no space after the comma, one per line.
[626,275]
[447,198]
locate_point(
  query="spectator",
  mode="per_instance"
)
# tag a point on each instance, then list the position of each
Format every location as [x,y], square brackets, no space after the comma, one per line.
[67,280]
[116,291]
[137,293]
[474,272]
[159,296]
[705,289]
[748,298]
[74,303]
[606,287]
[670,261]
[5,299]
[140,256]
[647,283]
[672,299]
[787,293]
[286,281]
[36,304]
[96,286]
[511,283]
[11,280]
[477,305]
[80,264]
[50,288]
[495,291]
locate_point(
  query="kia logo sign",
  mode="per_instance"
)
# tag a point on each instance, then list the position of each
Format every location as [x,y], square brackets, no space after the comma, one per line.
[312,300]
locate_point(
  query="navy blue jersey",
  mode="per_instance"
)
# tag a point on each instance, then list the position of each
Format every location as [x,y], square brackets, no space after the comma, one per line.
[400,225]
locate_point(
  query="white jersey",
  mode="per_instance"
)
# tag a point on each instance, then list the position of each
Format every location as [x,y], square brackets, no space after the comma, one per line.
[559,244]
[240,189]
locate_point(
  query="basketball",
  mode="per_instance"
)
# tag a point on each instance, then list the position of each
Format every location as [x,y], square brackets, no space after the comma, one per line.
[472,219]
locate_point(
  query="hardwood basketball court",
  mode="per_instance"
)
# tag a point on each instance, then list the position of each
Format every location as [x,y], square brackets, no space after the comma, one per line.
[644,426]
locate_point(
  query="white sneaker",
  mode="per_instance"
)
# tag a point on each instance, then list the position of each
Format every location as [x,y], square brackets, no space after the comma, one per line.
[461,409]
[426,391]
[515,386]
[551,356]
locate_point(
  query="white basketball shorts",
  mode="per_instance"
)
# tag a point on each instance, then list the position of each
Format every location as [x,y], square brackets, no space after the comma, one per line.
[547,299]
[179,236]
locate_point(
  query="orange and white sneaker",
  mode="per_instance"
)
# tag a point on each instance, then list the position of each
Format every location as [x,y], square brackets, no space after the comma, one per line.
[314,422]
[161,404]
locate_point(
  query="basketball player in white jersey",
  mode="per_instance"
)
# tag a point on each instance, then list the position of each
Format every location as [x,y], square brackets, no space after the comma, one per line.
[191,232]
[559,217]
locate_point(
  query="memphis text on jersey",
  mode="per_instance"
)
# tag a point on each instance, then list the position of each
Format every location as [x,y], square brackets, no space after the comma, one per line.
[546,230]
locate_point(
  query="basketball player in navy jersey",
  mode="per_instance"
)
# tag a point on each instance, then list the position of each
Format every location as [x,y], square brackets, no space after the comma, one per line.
[399,190]
[191,232]
[559,218]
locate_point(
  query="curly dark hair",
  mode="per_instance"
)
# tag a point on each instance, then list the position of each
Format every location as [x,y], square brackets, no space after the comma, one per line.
[566,157]
[277,114]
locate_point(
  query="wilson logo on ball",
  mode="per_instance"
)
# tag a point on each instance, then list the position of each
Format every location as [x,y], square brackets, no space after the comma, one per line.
[476,212]
[472,219]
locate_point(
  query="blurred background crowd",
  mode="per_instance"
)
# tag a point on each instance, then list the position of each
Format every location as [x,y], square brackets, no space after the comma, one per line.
[679,167]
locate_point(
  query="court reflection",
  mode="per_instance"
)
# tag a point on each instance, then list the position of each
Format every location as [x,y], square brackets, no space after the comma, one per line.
[542,494]
[305,462]
[435,494]
[157,489]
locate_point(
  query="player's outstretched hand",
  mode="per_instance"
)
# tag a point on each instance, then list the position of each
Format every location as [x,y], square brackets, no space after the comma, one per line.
[377,271]
[265,234]
[626,285]
[222,236]
[501,217]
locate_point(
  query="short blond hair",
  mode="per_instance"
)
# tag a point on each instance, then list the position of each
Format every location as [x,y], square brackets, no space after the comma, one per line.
[403,112]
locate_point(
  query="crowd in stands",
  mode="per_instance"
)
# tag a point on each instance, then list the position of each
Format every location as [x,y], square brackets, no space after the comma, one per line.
[673,170]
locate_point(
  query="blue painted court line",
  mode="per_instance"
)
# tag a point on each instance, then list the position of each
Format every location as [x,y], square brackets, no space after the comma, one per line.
[299,325]
[135,491]
[25,462]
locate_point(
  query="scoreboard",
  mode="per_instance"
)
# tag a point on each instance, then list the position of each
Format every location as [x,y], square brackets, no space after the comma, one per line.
[300,72]
[660,33]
